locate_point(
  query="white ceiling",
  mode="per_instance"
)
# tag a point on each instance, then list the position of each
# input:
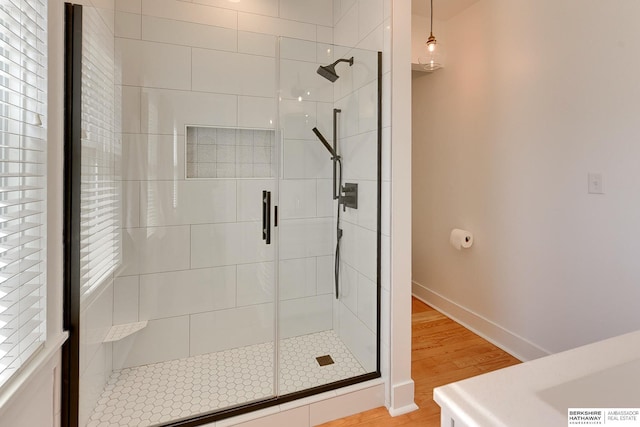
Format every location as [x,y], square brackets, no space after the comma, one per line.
[442,9]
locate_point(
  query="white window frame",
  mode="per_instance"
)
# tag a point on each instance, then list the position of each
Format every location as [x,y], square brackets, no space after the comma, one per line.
[23,162]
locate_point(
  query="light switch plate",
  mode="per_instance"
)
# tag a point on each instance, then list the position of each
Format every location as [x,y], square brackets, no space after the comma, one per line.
[595,183]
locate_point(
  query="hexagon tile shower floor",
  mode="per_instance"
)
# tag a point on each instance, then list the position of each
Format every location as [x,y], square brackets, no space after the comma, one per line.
[160,392]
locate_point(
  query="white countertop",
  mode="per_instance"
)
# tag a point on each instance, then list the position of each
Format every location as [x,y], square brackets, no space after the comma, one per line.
[538,393]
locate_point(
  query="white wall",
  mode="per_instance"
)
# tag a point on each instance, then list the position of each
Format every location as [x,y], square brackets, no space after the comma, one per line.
[401,387]
[534,96]
[37,402]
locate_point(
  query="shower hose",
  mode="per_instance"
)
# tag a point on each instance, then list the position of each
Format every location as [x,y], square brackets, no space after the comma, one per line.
[338,233]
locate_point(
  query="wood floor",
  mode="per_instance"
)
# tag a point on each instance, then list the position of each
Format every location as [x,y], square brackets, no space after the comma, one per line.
[442,352]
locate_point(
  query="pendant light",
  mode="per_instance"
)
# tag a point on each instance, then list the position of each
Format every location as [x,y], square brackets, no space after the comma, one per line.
[432,60]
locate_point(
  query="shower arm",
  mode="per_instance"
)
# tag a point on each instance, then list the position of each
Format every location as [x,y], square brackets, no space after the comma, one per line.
[350,61]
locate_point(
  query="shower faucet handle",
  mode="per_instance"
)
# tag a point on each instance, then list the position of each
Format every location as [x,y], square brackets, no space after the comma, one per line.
[349,196]
[266,216]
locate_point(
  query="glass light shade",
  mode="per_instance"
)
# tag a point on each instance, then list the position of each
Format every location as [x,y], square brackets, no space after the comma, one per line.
[432,58]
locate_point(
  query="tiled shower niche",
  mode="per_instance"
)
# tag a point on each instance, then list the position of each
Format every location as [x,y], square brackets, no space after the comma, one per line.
[216,152]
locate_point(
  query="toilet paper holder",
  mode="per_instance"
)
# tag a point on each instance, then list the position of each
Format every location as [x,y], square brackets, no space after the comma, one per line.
[461,239]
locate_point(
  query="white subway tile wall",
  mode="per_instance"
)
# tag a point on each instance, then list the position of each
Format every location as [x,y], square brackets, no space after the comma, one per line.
[362,25]
[162,339]
[182,233]
[213,331]
[126,293]
[205,289]
[199,86]
[95,356]
[101,201]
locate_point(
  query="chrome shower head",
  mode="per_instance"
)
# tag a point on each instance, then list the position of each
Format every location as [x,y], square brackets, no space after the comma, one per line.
[329,71]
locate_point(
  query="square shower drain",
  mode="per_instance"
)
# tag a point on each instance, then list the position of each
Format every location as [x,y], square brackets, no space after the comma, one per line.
[325,360]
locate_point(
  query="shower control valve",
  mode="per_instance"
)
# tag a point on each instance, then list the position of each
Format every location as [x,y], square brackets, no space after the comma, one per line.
[349,197]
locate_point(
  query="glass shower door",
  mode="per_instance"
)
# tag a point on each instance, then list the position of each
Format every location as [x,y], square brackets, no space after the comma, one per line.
[177,210]
[328,279]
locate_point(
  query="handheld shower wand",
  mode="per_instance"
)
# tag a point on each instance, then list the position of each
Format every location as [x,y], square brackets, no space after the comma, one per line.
[326,144]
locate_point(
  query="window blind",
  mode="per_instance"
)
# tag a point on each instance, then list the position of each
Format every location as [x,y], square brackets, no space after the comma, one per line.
[22,181]
[100,207]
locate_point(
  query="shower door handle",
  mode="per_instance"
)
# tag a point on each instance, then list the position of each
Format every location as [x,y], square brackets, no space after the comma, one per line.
[266,216]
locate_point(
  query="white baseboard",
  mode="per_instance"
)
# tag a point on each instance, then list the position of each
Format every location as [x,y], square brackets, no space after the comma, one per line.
[402,398]
[394,412]
[512,343]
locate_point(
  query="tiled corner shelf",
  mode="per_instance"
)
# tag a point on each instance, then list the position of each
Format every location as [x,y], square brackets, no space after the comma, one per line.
[118,332]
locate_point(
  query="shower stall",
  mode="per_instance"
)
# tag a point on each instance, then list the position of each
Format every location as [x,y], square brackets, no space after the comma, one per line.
[223,208]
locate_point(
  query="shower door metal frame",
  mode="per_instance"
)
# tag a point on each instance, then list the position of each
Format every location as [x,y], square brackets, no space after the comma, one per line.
[70,363]
[379,220]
